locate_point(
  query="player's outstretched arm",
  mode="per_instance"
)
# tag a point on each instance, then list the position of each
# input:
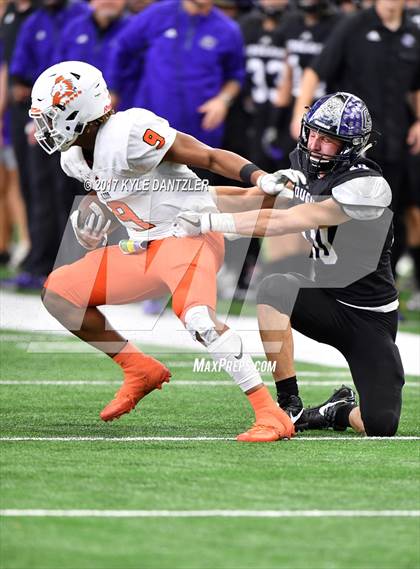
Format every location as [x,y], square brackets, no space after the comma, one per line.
[281,222]
[231,199]
[266,222]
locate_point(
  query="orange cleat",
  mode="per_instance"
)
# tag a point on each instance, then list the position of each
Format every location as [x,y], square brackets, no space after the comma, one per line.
[125,400]
[262,434]
[271,424]
[142,374]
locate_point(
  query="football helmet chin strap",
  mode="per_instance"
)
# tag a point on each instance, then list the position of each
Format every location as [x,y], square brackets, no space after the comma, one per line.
[226,349]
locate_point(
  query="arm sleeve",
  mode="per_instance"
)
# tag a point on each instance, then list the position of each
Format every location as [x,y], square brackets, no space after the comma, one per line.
[364,198]
[149,140]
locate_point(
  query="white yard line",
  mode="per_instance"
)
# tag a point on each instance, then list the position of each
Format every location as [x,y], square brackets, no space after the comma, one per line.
[211,513]
[329,373]
[174,382]
[195,439]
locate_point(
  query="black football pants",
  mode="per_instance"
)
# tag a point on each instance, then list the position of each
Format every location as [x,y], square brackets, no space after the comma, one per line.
[365,338]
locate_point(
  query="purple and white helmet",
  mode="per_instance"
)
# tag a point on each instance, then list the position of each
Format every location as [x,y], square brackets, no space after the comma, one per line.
[342,116]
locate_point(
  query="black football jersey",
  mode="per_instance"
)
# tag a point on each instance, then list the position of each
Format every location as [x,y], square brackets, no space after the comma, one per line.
[303,43]
[351,261]
[265,59]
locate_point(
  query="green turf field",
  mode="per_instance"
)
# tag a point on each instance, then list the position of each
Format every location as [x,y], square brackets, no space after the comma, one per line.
[105,471]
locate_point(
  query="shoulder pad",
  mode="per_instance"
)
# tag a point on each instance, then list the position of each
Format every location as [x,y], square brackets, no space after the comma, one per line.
[363,198]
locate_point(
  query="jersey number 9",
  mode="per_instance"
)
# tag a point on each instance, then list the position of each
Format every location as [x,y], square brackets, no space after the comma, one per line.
[151,137]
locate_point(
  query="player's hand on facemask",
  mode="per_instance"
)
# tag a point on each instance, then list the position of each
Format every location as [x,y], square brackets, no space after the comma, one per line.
[281,183]
[187,224]
[94,231]
[74,164]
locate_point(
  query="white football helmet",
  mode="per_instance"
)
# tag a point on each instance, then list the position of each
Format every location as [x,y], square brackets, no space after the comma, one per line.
[66,97]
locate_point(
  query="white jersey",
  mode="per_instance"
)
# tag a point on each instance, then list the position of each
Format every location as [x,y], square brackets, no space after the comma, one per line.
[143,192]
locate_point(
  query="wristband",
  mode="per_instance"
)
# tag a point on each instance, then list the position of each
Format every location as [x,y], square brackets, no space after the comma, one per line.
[246,173]
[220,222]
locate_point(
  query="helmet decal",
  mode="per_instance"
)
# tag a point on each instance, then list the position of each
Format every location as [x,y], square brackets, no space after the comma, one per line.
[63,91]
[328,115]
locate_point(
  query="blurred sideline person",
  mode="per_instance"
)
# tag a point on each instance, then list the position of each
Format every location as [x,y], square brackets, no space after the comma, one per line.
[12,209]
[348,7]
[195,52]
[72,111]
[51,193]
[15,14]
[91,36]
[136,6]
[265,64]
[304,36]
[340,205]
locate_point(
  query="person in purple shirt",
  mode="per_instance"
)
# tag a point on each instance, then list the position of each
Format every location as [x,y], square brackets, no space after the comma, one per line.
[91,36]
[51,193]
[12,209]
[192,64]
[38,38]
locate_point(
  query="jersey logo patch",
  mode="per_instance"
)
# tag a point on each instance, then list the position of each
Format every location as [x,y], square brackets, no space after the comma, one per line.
[373,35]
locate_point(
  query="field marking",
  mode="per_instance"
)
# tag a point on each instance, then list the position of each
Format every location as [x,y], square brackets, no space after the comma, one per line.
[176,382]
[210,513]
[194,439]
[327,373]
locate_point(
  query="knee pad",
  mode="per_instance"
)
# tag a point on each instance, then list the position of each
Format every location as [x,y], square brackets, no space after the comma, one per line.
[200,325]
[279,291]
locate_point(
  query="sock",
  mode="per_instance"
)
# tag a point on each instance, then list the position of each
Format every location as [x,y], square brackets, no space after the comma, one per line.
[342,415]
[138,367]
[286,387]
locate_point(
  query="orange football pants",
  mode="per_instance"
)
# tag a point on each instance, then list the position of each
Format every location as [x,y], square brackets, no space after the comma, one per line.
[186,268]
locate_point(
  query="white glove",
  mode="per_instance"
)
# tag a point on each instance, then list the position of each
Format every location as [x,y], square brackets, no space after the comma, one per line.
[192,223]
[281,183]
[74,164]
[187,224]
[95,229]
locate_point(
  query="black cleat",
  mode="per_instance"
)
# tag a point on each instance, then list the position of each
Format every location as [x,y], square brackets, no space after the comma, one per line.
[323,416]
[293,406]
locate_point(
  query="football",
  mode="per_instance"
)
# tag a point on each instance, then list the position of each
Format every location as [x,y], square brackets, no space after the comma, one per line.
[90,204]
